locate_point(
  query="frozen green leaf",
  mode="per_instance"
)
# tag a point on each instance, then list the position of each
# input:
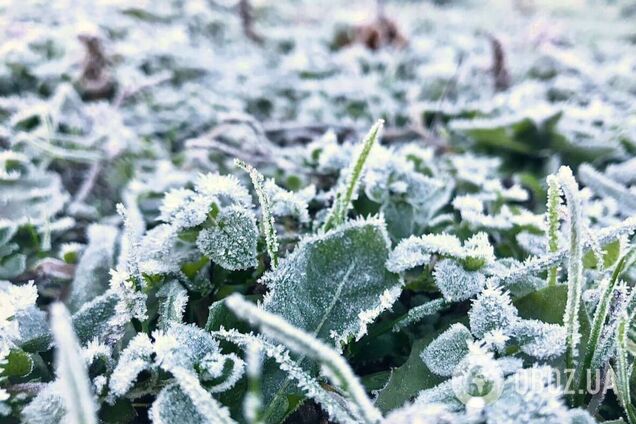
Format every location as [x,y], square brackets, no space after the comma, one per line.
[33,328]
[172,302]
[47,407]
[444,353]
[18,364]
[92,273]
[231,242]
[407,380]
[329,283]
[94,320]
[174,406]
[492,310]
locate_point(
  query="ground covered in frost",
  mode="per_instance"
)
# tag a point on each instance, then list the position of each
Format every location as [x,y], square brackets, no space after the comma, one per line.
[218,211]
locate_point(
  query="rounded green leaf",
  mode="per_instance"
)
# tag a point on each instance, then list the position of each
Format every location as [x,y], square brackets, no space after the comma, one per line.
[232,241]
[19,364]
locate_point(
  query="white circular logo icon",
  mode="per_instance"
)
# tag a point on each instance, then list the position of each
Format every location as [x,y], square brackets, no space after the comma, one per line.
[477,379]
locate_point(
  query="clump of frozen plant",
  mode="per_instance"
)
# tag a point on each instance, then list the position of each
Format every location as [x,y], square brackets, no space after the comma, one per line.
[207,219]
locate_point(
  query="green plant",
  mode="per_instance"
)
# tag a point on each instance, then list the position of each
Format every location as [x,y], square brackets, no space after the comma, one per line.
[198,228]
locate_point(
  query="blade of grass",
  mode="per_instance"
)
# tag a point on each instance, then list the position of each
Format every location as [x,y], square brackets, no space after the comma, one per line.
[570,189]
[554,202]
[71,370]
[623,369]
[600,316]
[345,193]
[267,219]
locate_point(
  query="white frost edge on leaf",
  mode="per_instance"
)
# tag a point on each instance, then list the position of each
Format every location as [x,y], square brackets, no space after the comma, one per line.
[238,368]
[336,367]
[415,251]
[136,357]
[71,370]
[205,404]
[309,385]
[387,299]
[570,189]
[419,312]
[536,264]
[375,220]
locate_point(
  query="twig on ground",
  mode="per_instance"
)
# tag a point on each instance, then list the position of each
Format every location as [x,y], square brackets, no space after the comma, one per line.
[499,69]
[88,183]
[247,21]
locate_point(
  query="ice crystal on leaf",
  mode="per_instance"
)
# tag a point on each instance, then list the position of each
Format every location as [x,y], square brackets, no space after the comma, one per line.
[190,355]
[570,189]
[232,241]
[226,188]
[399,180]
[347,190]
[212,367]
[267,215]
[218,211]
[539,339]
[310,386]
[332,364]
[552,215]
[366,317]
[158,252]
[513,274]
[13,300]
[622,370]
[136,357]
[188,208]
[495,340]
[475,253]
[94,351]
[173,405]
[173,299]
[47,407]
[421,311]
[287,203]
[441,394]
[204,404]
[478,252]
[28,194]
[104,318]
[491,310]
[455,283]
[334,275]
[444,353]
[441,250]
[183,345]
[180,207]
[409,254]
[131,302]
[184,208]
